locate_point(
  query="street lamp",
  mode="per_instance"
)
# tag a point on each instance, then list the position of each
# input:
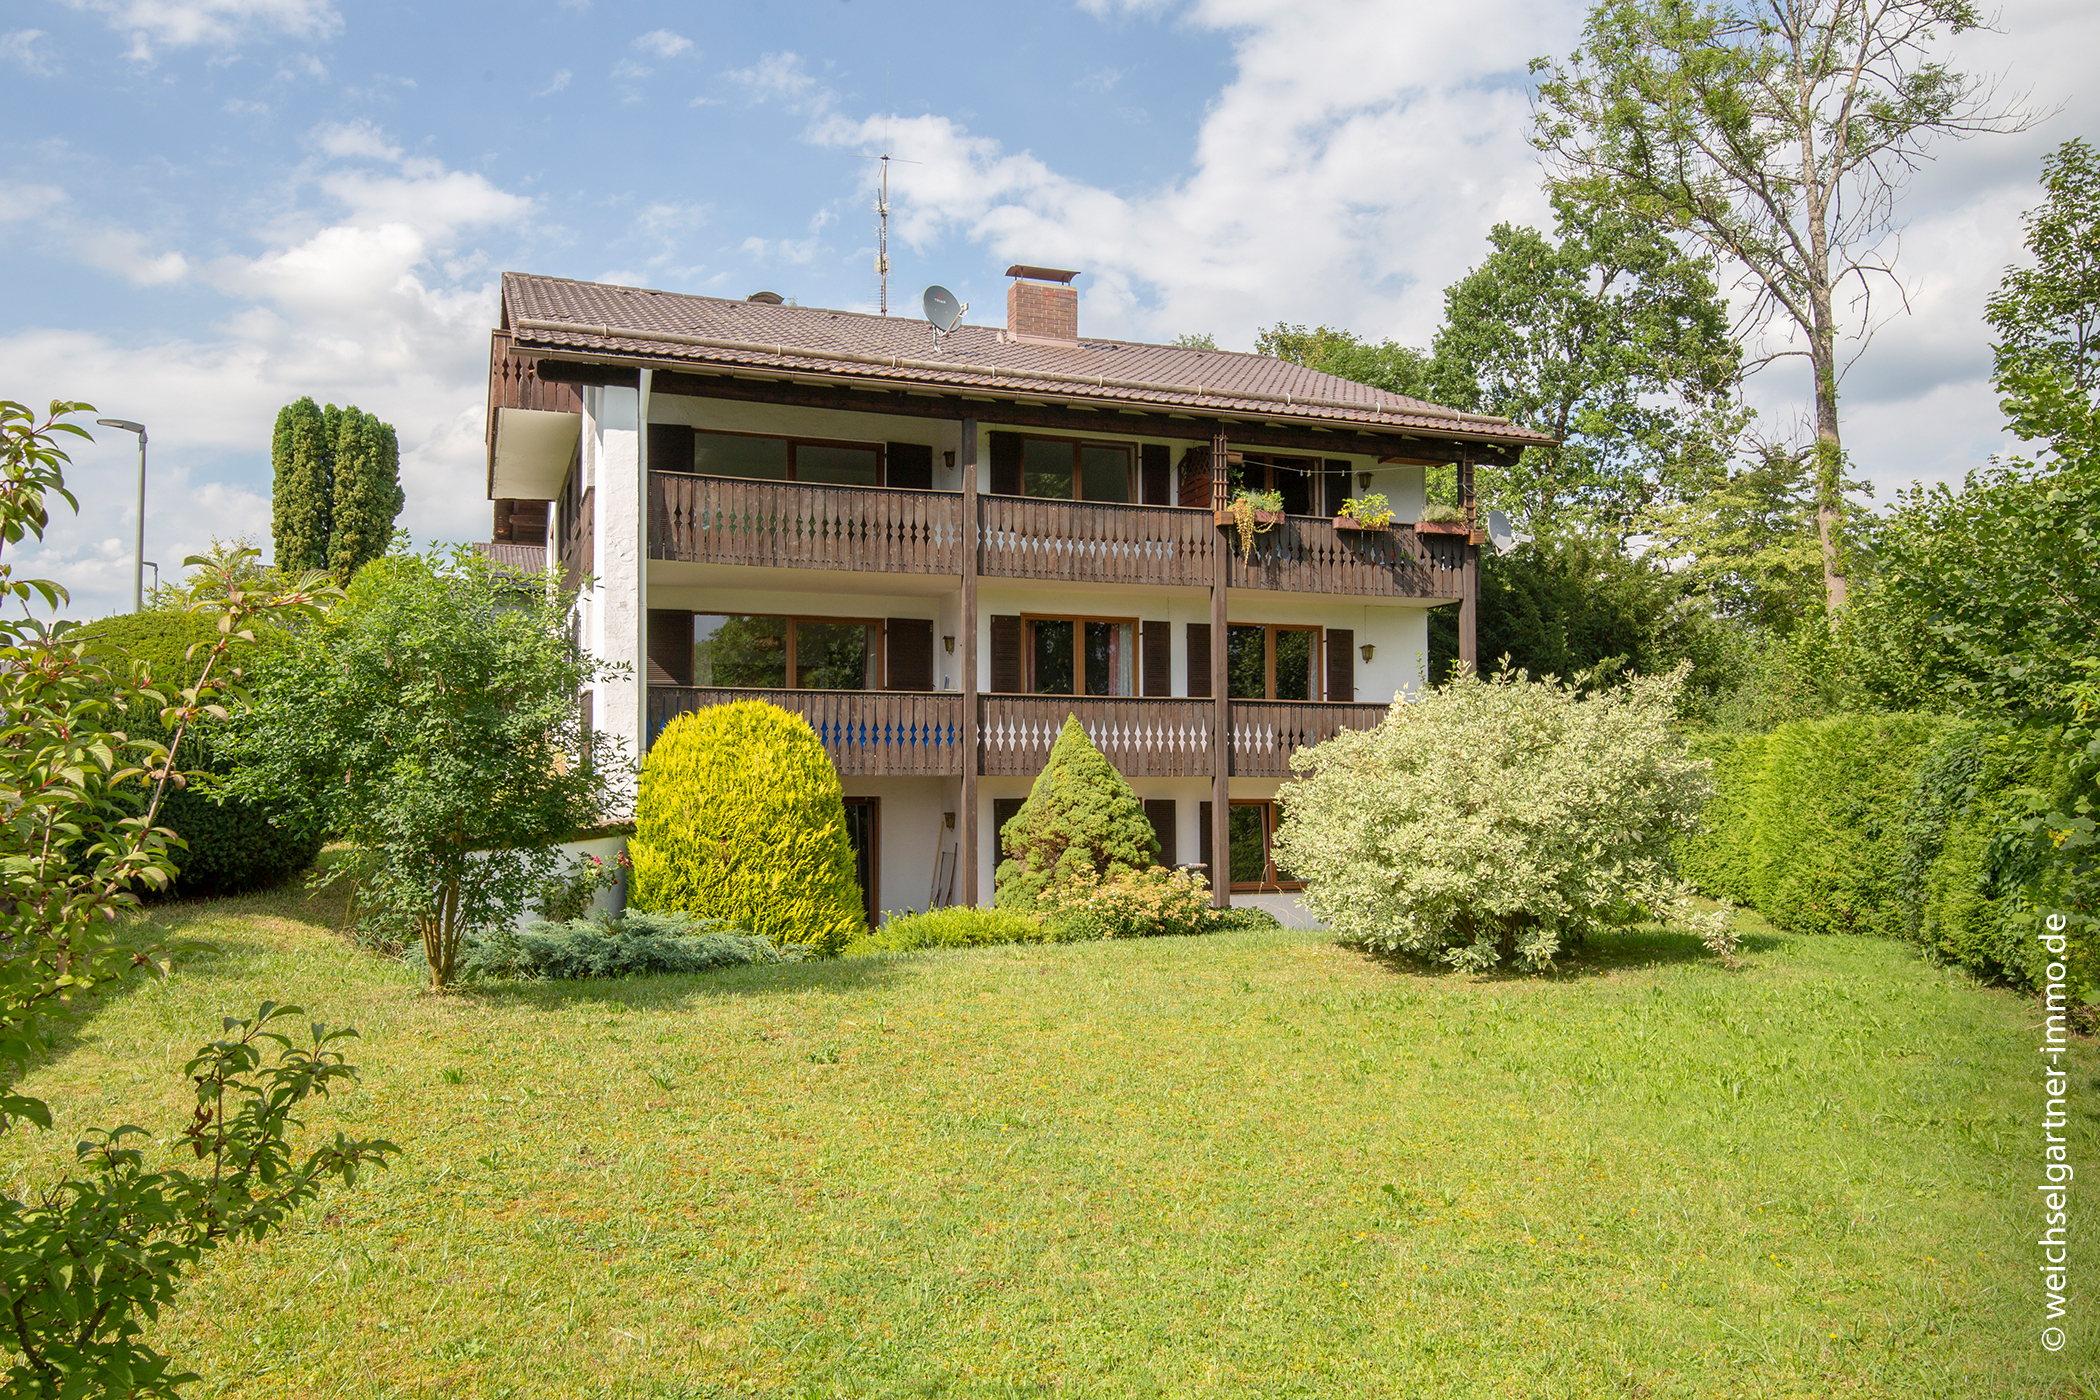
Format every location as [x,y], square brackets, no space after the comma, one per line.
[138,552]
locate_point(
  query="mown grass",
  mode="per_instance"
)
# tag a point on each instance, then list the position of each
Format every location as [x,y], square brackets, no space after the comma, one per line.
[1250,1164]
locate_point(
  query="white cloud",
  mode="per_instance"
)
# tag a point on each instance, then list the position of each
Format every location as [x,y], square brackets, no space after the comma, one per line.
[24,203]
[380,299]
[26,50]
[221,23]
[663,43]
[555,84]
[781,77]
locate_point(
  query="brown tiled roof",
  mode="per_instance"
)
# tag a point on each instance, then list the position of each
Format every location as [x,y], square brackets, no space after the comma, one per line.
[554,314]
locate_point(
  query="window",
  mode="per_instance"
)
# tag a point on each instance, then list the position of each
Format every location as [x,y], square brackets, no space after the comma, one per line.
[1250,853]
[787,459]
[1308,485]
[1271,662]
[1067,469]
[782,653]
[864,833]
[1081,656]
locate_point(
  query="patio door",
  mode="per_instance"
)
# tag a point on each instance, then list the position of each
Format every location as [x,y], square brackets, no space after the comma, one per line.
[864,830]
[1251,854]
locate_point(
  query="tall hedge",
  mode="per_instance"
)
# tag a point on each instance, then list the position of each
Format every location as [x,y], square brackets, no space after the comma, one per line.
[740,817]
[1080,815]
[234,843]
[1903,825]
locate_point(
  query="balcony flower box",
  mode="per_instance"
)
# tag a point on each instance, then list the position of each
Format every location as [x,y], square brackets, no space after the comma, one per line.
[1442,527]
[1261,517]
[1350,522]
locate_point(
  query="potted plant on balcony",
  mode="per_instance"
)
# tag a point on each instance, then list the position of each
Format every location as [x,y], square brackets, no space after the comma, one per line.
[1440,519]
[1253,512]
[1367,512]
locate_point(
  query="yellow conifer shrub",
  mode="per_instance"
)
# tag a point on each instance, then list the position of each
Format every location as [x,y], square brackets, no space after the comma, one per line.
[740,816]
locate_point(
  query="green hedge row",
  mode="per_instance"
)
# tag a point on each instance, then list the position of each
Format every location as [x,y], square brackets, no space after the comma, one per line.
[1902,825]
[233,844]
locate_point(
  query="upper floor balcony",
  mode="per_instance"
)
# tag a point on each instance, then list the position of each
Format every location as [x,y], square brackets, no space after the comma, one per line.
[790,525]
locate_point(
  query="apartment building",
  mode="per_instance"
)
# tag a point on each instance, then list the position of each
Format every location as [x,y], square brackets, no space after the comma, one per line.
[937,547]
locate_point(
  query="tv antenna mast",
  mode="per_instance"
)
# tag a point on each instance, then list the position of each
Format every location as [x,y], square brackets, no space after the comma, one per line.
[882,226]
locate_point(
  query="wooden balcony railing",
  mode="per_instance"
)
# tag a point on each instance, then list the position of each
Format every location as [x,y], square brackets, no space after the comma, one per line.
[1265,733]
[514,382]
[868,734]
[1141,738]
[887,734]
[1021,537]
[579,542]
[1306,554]
[718,520]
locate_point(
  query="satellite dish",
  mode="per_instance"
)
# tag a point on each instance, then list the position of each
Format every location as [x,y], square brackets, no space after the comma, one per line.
[943,309]
[1500,535]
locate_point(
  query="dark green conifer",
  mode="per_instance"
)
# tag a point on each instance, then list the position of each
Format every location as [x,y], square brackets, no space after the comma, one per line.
[301,490]
[1080,815]
[367,492]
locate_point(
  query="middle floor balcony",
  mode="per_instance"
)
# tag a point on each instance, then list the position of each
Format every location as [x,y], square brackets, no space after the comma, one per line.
[790,525]
[891,734]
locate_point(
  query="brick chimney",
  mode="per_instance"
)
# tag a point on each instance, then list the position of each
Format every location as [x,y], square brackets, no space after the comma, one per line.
[1042,305]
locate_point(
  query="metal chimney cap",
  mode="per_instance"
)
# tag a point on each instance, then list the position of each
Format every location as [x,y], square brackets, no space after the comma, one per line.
[1041,274]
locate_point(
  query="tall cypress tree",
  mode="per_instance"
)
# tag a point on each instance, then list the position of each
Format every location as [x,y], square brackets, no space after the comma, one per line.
[300,494]
[367,492]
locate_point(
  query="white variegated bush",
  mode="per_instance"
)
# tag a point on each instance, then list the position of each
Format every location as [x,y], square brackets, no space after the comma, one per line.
[1499,820]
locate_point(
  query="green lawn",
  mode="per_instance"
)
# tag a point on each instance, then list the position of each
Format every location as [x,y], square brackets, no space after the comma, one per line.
[1252,1164]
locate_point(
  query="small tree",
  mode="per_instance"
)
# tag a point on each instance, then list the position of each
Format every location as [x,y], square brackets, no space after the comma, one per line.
[432,720]
[302,488]
[740,816]
[1498,820]
[1080,818]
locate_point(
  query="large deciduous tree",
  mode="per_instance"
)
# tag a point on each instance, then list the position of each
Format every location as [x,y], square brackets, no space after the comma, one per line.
[1387,365]
[1611,339]
[1779,133]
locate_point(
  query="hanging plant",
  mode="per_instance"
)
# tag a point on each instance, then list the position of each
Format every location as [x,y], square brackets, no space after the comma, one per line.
[1254,513]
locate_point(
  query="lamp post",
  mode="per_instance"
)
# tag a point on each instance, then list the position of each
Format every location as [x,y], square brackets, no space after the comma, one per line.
[138,550]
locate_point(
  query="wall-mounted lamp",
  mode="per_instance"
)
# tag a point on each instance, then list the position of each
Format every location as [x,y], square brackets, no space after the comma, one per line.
[947,644]
[1367,649]
[1363,481]
[951,460]
[948,819]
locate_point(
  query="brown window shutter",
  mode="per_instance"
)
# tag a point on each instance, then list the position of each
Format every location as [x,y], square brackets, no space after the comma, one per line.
[1161,814]
[1199,661]
[1006,464]
[910,653]
[670,447]
[1007,672]
[1195,478]
[670,646]
[1203,856]
[1341,664]
[910,465]
[1004,810]
[1155,474]
[1156,658]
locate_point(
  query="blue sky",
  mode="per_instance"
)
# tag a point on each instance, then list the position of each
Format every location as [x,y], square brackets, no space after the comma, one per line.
[208,207]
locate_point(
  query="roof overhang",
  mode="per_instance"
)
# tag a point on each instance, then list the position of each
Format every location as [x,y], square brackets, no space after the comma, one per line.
[533,453]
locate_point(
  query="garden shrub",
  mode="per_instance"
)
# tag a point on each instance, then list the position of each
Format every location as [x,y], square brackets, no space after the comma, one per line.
[233,843]
[740,817]
[958,927]
[1128,904]
[1240,916]
[1498,820]
[628,945]
[1079,817]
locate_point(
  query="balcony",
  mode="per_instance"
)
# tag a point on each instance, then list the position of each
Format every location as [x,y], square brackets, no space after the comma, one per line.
[787,525]
[889,734]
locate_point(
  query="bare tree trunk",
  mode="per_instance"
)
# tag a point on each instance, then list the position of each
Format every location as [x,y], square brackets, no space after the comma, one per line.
[440,928]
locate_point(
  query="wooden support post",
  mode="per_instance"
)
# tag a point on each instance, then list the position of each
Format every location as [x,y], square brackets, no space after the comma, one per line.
[1469,576]
[966,852]
[1221,701]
